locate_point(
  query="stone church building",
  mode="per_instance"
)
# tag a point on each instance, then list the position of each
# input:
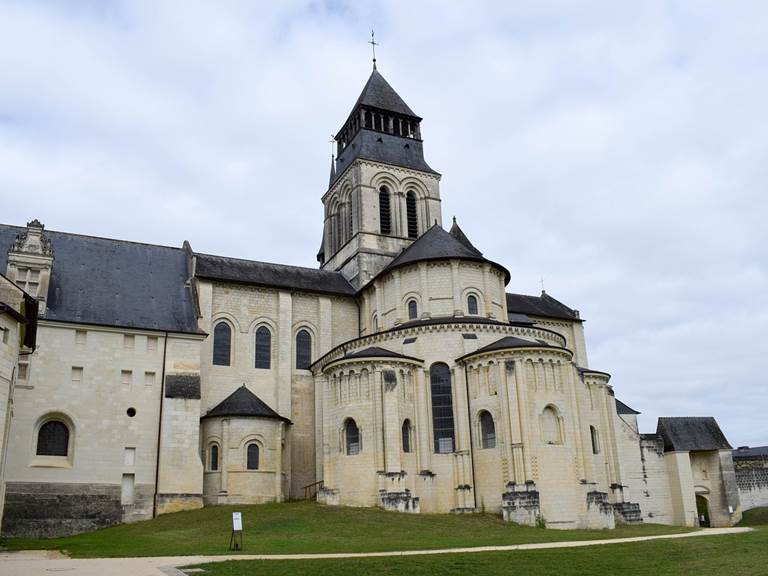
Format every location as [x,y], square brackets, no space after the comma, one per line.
[401,374]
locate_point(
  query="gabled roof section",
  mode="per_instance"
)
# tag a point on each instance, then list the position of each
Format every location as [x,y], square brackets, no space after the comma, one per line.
[753,452]
[622,408]
[272,275]
[243,402]
[116,283]
[437,244]
[377,93]
[543,305]
[511,342]
[688,434]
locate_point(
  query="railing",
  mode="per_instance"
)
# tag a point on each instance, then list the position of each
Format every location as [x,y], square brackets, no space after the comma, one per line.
[311,490]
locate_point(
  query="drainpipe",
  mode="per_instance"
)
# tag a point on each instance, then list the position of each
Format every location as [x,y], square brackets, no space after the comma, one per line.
[471,441]
[160,426]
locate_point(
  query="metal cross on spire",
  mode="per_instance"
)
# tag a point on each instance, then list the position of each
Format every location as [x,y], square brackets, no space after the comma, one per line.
[373,44]
[332,142]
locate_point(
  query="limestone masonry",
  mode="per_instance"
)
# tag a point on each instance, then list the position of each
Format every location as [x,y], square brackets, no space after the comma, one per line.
[400,374]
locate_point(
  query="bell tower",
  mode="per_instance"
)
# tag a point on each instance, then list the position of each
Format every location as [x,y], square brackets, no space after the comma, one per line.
[382,194]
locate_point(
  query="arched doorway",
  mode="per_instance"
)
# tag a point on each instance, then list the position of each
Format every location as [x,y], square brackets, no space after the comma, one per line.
[702,510]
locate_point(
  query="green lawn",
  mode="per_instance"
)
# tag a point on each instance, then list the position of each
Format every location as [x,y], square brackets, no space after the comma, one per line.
[735,555]
[303,527]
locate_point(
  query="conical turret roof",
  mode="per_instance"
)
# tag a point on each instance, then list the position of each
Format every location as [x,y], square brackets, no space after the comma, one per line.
[243,402]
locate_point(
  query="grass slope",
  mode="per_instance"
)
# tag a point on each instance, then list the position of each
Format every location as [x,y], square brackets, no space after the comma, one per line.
[737,555]
[303,527]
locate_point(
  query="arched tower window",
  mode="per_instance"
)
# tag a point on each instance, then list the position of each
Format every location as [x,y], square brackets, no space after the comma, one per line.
[442,408]
[385,213]
[595,440]
[487,430]
[472,304]
[413,310]
[222,344]
[550,426]
[349,219]
[263,347]
[252,457]
[303,350]
[351,437]
[53,439]
[213,462]
[413,219]
[406,433]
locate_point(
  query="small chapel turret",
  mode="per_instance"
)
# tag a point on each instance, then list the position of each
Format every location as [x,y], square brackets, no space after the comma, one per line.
[382,194]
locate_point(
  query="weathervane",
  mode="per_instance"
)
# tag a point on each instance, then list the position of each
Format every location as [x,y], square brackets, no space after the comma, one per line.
[373,44]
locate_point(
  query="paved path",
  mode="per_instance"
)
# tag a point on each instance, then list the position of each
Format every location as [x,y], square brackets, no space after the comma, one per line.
[43,563]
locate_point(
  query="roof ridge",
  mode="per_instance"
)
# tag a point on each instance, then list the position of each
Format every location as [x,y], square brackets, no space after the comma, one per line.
[334,272]
[79,235]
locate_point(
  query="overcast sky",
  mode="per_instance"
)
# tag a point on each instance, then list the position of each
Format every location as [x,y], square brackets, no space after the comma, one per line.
[618,150]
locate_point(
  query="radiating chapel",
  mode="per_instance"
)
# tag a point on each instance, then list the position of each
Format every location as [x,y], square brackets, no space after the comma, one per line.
[404,373]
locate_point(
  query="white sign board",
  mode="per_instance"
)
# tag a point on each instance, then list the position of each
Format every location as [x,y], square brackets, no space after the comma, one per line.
[237,521]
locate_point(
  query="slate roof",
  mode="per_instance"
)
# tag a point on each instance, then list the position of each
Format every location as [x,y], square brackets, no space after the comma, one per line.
[243,402]
[377,93]
[691,434]
[622,408]
[753,452]
[543,305]
[458,233]
[382,147]
[114,282]
[511,342]
[377,352]
[272,275]
[437,244]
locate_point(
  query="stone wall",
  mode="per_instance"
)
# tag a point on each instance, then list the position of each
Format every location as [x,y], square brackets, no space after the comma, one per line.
[752,480]
[50,509]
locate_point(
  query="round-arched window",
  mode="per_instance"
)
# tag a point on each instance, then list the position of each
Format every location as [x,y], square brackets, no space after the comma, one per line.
[472,304]
[413,310]
[53,439]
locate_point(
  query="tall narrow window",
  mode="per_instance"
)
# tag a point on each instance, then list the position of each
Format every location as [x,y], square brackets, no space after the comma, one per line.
[351,437]
[487,430]
[413,219]
[442,408]
[472,305]
[53,439]
[252,457]
[595,440]
[222,344]
[214,459]
[385,217]
[413,310]
[406,435]
[349,218]
[263,347]
[303,350]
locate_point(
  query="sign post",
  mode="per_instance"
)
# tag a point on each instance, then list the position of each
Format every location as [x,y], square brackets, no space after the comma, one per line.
[236,540]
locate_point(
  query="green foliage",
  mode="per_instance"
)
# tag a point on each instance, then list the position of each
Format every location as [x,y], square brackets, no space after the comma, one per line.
[305,527]
[540,522]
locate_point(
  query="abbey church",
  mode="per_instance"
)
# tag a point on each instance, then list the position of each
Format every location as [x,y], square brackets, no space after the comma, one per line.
[404,373]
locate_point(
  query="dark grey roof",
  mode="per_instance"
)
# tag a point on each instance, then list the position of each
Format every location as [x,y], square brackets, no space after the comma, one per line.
[458,233]
[622,408]
[377,93]
[243,402]
[512,342]
[753,452]
[437,244]
[543,305]
[515,318]
[114,282]
[691,434]
[377,352]
[273,275]
[385,148]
